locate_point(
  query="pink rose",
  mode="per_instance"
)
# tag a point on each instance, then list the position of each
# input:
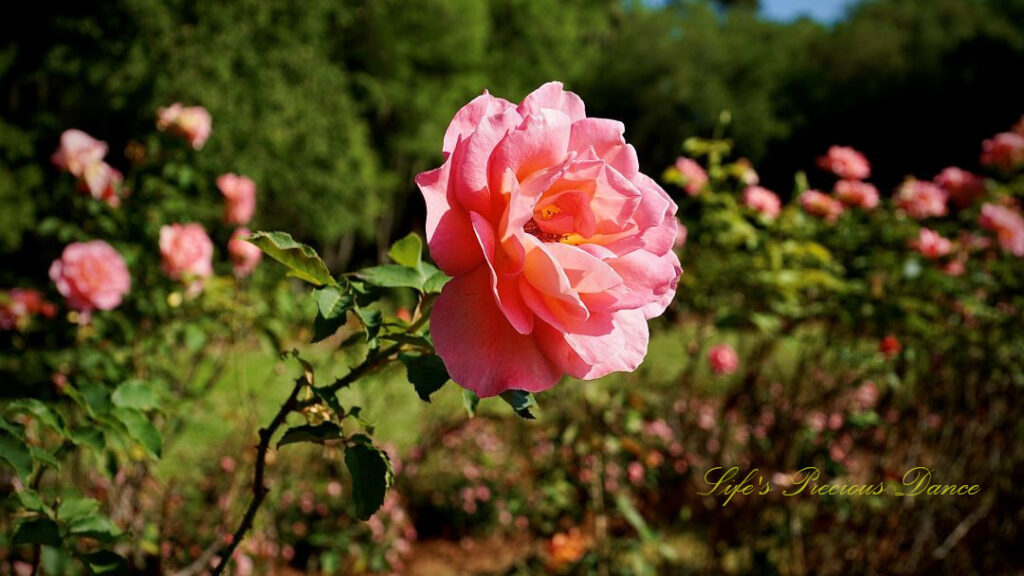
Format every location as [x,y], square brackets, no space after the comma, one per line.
[930,244]
[955,267]
[19,304]
[1008,226]
[244,254]
[1003,151]
[866,395]
[103,182]
[920,199]
[846,163]
[822,205]
[77,152]
[681,234]
[694,178]
[192,123]
[91,276]
[963,187]
[857,193]
[559,248]
[187,253]
[240,198]
[723,359]
[762,200]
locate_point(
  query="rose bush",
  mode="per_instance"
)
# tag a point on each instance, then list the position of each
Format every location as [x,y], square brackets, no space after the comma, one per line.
[560,249]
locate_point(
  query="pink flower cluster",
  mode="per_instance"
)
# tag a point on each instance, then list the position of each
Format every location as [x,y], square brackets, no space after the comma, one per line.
[857,194]
[723,359]
[193,123]
[18,305]
[692,175]
[187,254]
[239,196]
[1007,224]
[921,199]
[962,186]
[931,244]
[762,200]
[82,156]
[1004,151]
[846,163]
[817,203]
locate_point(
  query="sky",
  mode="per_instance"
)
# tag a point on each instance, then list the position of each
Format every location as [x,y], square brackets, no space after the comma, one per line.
[822,10]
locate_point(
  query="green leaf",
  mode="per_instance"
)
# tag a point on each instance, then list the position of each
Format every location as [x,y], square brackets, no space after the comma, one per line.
[106,563]
[470,401]
[436,280]
[31,501]
[318,434]
[371,320]
[302,261]
[408,251]
[97,526]
[134,394]
[422,342]
[41,411]
[16,453]
[521,401]
[38,531]
[45,456]
[91,438]
[392,276]
[371,477]
[76,508]
[427,373]
[141,429]
[332,306]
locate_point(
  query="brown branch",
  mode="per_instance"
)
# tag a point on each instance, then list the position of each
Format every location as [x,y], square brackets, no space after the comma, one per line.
[259,489]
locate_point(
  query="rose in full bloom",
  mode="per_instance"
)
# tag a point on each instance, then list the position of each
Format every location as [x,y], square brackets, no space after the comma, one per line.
[1008,226]
[91,276]
[244,254]
[857,193]
[692,175]
[920,199]
[1003,151]
[559,248]
[762,200]
[190,122]
[78,151]
[931,244]
[187,253]
[239,197]
[817,203]
[18,305]
[963,187]
[846,163]
[723,359]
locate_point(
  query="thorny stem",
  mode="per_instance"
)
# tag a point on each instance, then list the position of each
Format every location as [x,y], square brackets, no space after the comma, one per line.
[259,489]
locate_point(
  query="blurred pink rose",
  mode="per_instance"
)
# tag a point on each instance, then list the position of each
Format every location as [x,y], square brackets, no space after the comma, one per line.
[867,395]
[746,172]
[921,199]
[963,187]
[1004,151]
[77,152]
[244,255]
[1008,226]
[91,276]
[681,234]
[955,267]
[187,253]
[635,473]
[192,123]
[762,200]
[930,244]
[240,198]
[693,175]
[822,205]
[559,248]
[103,182]
[857,193]
[723,359]
[846,163]
[17,305]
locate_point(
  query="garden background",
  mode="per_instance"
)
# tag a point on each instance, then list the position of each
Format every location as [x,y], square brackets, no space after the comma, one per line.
[333,107]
